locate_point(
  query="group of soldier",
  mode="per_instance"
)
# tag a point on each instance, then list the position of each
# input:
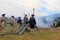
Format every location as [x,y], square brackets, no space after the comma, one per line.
[23,26]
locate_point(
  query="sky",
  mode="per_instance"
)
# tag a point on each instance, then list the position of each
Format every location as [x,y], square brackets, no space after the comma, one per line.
[42,7]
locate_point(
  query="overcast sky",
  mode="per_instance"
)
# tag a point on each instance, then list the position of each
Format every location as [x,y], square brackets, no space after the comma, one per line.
[42,7]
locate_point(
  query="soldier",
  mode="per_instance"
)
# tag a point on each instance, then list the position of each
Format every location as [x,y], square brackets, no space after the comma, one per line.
[12,23]
[32,23]
[19,21]
[26,21]
[2,21]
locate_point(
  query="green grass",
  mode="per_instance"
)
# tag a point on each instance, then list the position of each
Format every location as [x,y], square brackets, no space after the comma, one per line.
[42,34]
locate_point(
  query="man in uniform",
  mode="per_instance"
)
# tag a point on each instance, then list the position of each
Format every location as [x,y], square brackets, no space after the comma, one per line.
[19,21]
[32,23]
[12,23]
[2,21]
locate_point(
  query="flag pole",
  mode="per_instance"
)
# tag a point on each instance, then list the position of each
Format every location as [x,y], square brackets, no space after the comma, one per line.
[33,10]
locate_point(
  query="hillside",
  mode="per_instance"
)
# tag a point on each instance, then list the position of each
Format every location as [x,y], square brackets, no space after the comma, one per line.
[42,34]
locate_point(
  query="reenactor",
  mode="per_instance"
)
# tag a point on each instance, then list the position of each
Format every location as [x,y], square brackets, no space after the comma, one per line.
[2,21]
[19,21]
[32,23]
[12,23]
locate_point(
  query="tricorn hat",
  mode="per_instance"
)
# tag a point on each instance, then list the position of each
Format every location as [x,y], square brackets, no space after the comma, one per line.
[3,14]
[32,15]
[26,15]
[19,17]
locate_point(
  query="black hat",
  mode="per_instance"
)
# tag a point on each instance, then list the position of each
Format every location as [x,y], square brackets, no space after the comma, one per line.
[32,15]
[3,14]
[25,15]
[12,16]
[19,17]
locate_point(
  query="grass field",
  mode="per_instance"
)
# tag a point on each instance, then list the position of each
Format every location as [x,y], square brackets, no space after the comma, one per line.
[42,34]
